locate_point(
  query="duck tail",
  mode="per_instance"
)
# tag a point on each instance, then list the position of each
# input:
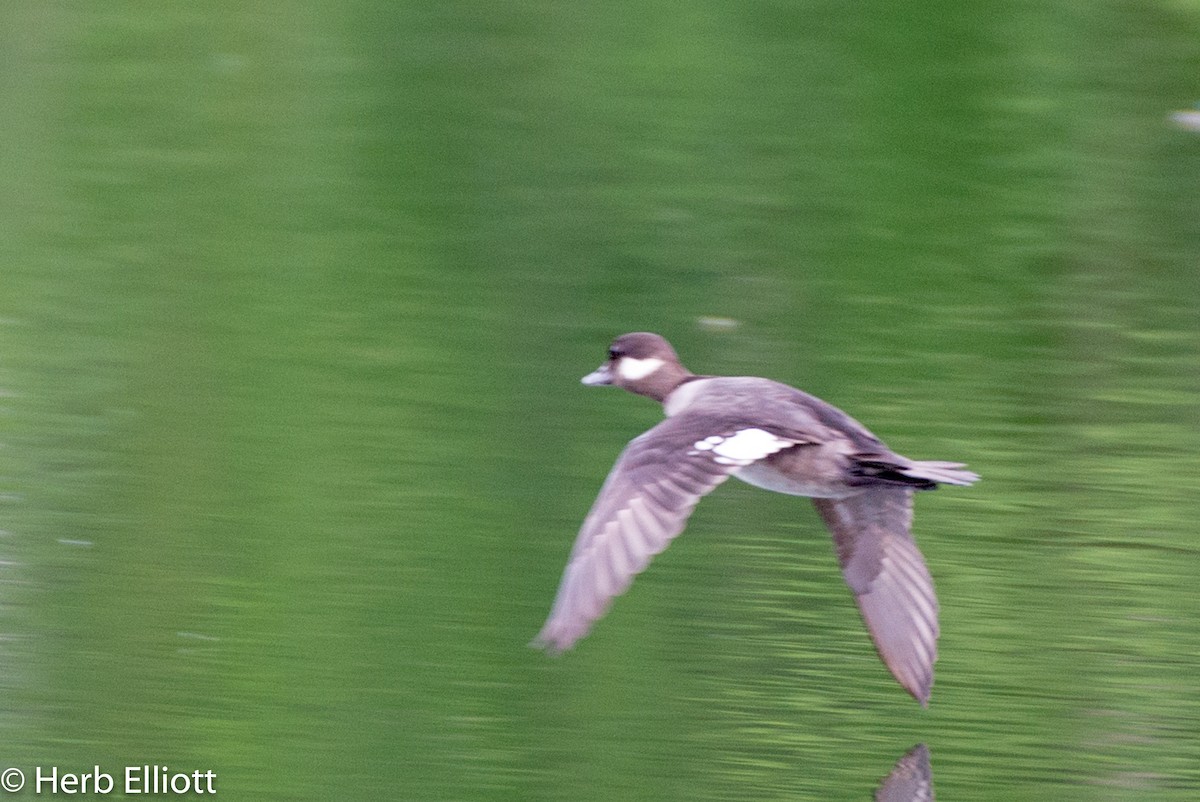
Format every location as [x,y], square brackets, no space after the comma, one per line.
[943,473]
[916,475]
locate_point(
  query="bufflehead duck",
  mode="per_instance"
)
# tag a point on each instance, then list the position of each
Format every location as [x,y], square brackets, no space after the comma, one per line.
[775,437]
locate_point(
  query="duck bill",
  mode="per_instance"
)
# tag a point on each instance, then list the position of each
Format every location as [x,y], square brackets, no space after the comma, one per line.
[600,376]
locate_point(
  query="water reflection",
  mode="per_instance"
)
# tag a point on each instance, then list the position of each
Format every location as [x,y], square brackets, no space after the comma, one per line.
[911,779]
[1188,120]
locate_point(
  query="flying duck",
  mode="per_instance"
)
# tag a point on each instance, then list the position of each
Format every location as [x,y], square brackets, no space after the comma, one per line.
[775,437]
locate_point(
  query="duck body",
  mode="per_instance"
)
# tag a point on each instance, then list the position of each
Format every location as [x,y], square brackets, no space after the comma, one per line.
[776,437]
[828,453]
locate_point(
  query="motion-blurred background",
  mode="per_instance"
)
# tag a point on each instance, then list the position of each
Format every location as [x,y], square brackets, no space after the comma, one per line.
[294,301]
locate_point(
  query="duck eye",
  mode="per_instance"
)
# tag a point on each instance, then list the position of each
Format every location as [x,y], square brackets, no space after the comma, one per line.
[613,353]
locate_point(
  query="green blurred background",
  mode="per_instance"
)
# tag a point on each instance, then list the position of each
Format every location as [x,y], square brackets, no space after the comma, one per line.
[294,301]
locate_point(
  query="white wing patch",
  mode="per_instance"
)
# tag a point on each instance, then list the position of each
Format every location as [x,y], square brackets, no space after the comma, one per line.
[742,447]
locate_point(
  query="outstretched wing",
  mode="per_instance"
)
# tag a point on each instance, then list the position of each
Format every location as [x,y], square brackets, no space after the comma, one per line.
[894,591]
[645,502]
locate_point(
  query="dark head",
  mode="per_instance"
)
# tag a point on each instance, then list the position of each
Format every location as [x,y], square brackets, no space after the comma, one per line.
[641,363]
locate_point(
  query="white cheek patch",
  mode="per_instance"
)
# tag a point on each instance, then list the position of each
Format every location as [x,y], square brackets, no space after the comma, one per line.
[742,447]
[632,370]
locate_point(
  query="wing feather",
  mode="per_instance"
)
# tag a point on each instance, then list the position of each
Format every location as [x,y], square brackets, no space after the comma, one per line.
[891,583]
[644,504]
